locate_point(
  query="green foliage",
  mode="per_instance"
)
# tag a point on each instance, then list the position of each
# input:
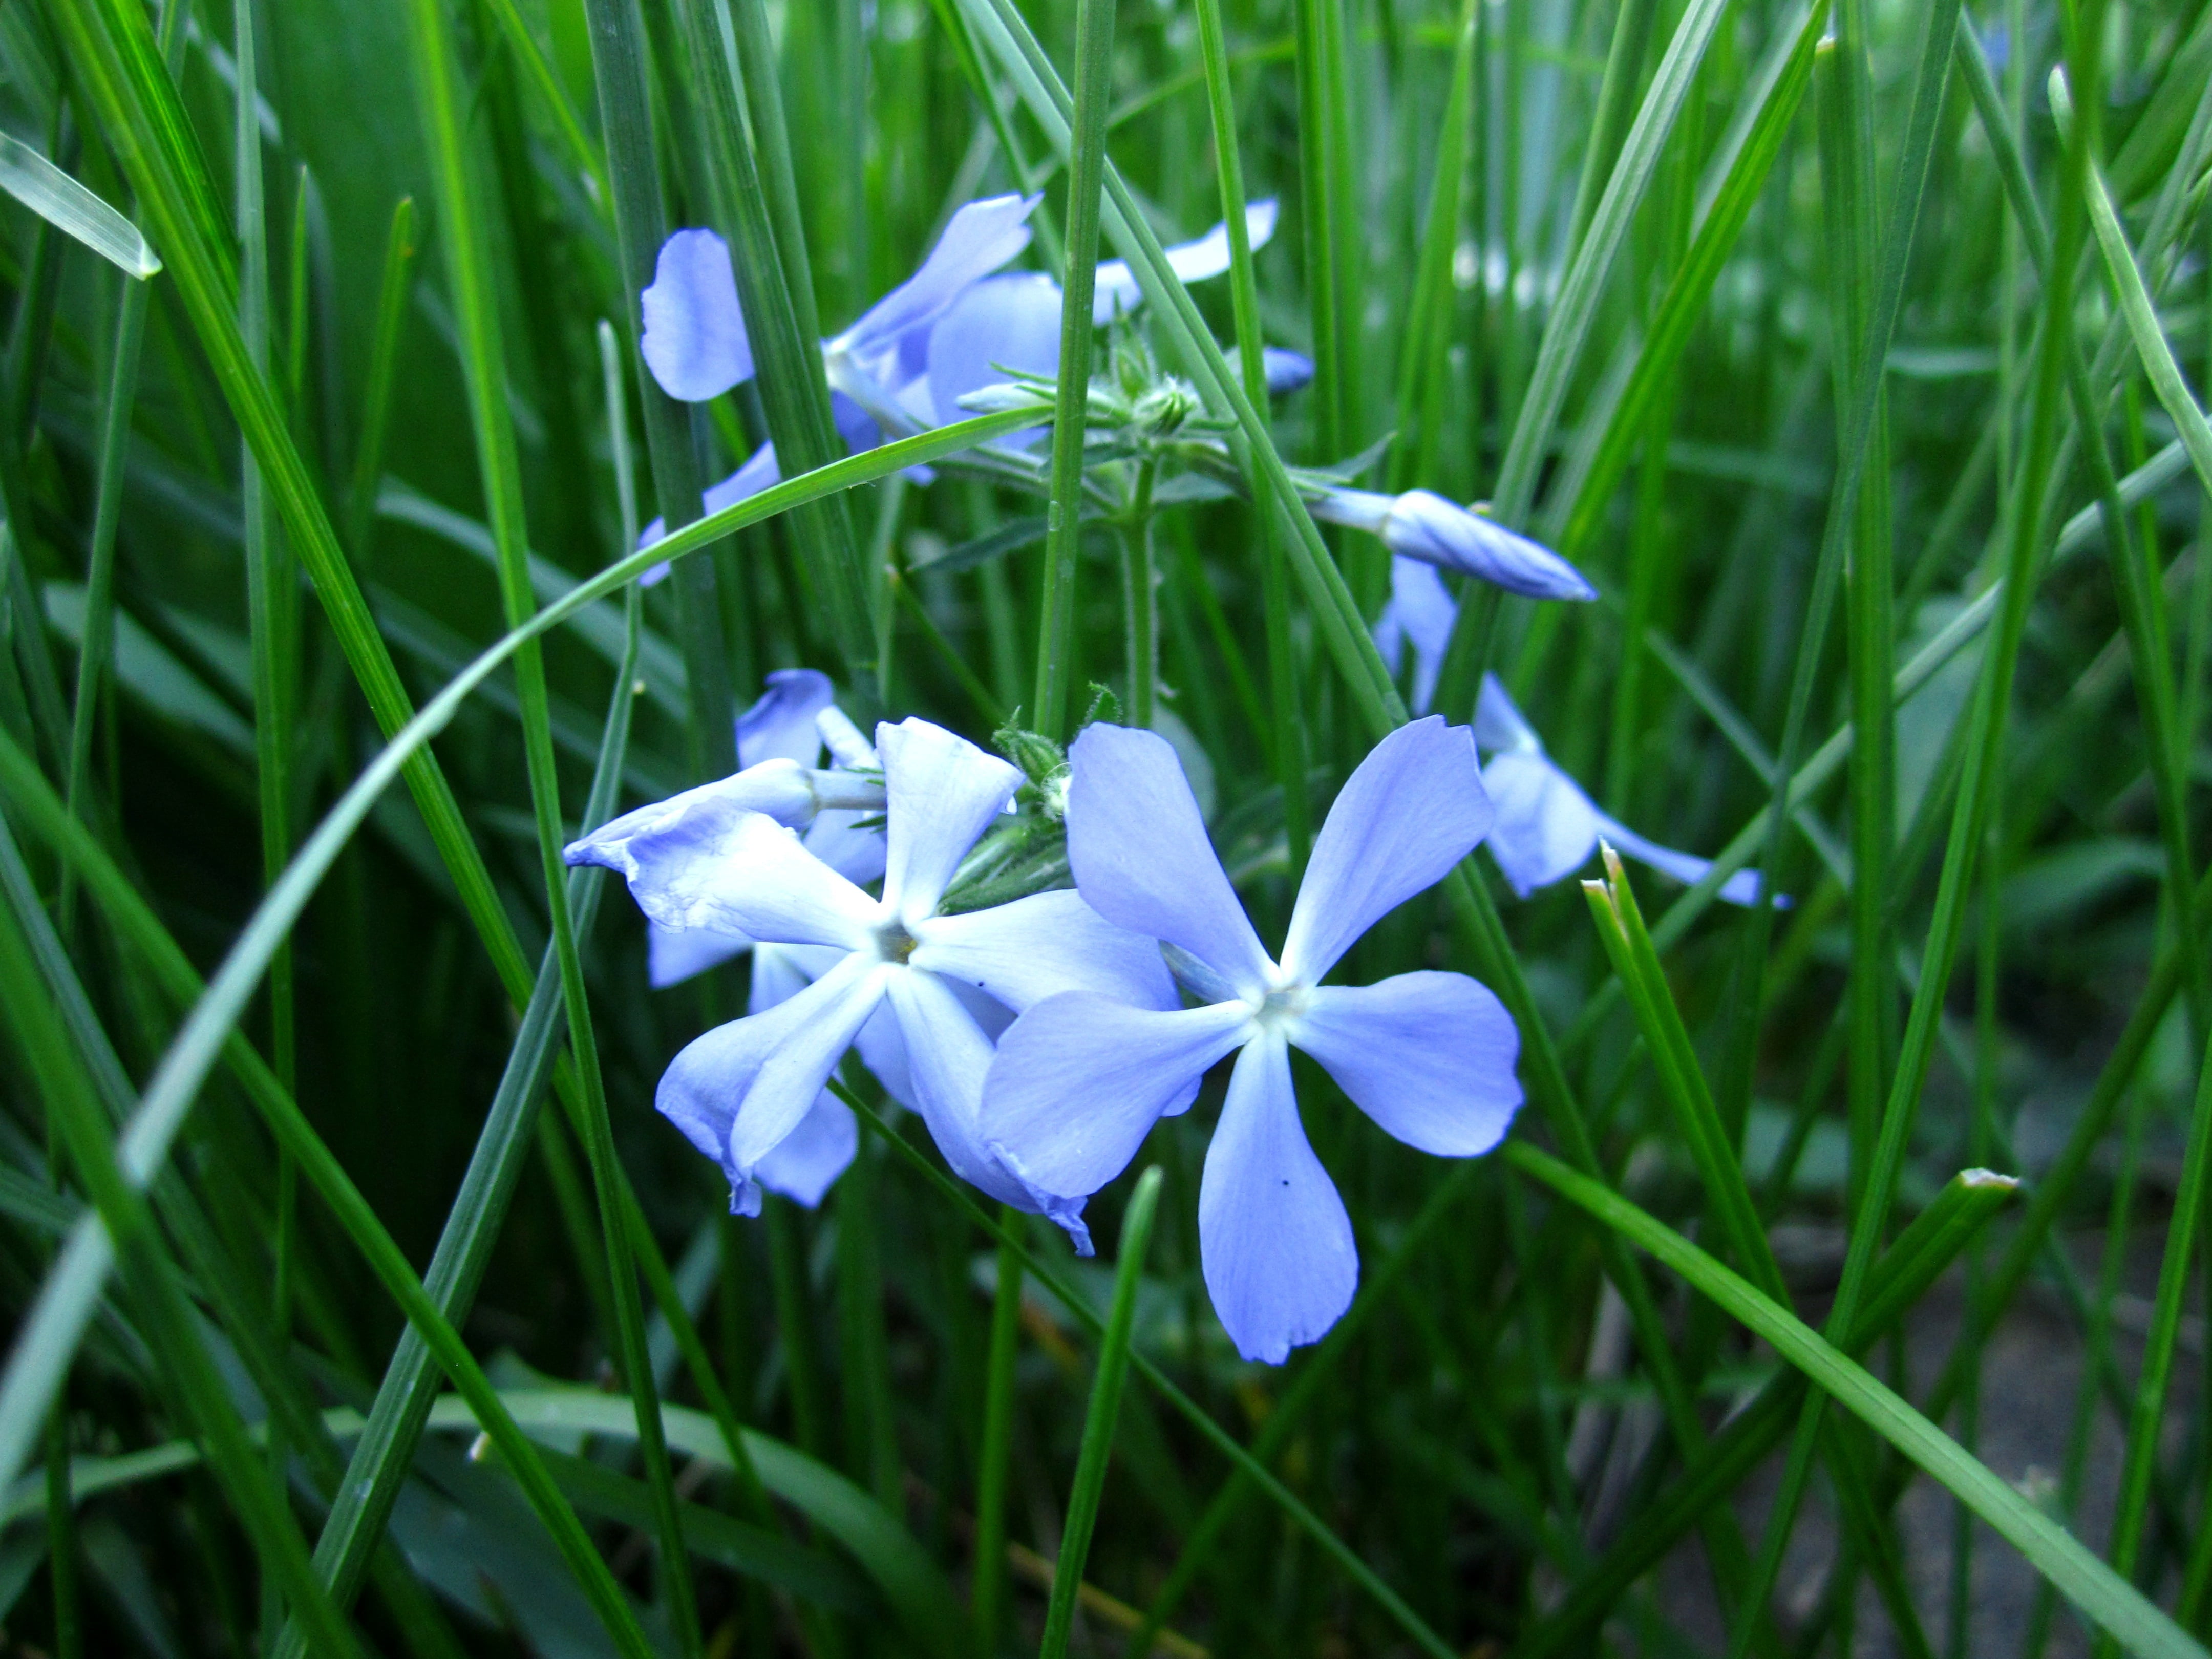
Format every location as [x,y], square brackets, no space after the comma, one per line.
[1771,315]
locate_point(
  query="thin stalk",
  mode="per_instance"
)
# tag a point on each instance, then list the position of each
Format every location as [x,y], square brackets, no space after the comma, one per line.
[1140,598]
[987,1594]
[476,308]
[871,1452]
[1099,1421]
[1287,747]
[1319,210]
[2144,1424]
[1094,88]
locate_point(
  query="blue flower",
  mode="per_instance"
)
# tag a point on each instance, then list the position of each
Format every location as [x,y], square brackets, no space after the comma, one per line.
[1080,1077]
[1546,828]
[931,985]
[1420,614]
[1421,524]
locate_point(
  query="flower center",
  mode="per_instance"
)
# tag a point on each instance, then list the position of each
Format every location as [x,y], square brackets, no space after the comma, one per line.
[1283,1005]
[893,942]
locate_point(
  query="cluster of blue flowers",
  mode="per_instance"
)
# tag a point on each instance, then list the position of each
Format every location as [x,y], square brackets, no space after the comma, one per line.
[1041,1039]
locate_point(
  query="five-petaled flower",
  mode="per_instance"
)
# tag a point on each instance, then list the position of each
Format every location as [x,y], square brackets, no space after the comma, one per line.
[914,987]
[1081,1077]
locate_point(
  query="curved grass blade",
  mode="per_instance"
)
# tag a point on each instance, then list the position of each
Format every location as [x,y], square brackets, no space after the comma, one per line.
[2101,1594]
[72,209]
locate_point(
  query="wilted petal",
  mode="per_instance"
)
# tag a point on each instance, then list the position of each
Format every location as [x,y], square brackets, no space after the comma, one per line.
[758,472]
[1117,293]
[1273,1238]
[676,853]
[1742,888]
[1080,1079]
[948,1057]
[1498,724]
[977,240]
[1420,613]
[805,1163]
[781,726]
[943,792]
[1546,826]
[1410,811]
[1141,859]
[1425,525]
[673,955]
[694,333]
[1003,324]
[1429,1056]
[1041,946]
[816,1028]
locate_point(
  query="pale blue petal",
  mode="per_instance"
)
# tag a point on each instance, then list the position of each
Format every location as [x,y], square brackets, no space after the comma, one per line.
[1080,1079]
[979,238]
[1039,946]
[1497,722]
[694,333]
[1003,324]
[707,1084]
[1429,1056]
[758,474]
[942,792]
[1287,371]
[782,725]
[948,1057]
[769,887]
[882,1051]
[804,1164]
[1425,525]
[854,424]
[815,1028]
[1545,828]
[676,853]
[1420,613]
[1410,811]
[781,972]
[1742,888]
[835,837]
[673,955]
[1273,1239]
[1117,293]
[1138,851]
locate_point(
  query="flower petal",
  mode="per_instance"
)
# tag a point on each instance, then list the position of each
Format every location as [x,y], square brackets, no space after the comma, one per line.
[673,955]
[1273,1238]
[694,333]
[781,726]
[705,1087]
[942,792]
[1498,724]
[1117,292]
[1742,888]
[1006,323]
[685,858]
[803,1165]
[1080,1079]
[1425,525]
[1429,1056]
[771,888]
[1545,828]
[1421,613]
[811,1033]
[977,240]
[948,1057]
[1141,859]
[1410,811]
[1287,371]
[1039,946]
[835,837]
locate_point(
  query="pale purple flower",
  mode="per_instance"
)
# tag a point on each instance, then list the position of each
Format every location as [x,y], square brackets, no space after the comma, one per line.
[1422,525]
[1546,828]
[1081,1077]
[920,979]
[1420,614]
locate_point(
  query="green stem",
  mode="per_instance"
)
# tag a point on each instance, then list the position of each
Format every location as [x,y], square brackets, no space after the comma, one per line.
[1094,87]
[988,1596]
[1099,1422]
[1140,598]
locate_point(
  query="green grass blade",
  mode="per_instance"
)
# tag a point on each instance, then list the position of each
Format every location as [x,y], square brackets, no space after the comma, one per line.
[1100,1419]
[2114,1605]
[72,209]
[376,393]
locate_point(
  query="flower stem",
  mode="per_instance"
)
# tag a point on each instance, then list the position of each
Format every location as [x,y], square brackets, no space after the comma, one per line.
[1140,599]
[987,1598]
